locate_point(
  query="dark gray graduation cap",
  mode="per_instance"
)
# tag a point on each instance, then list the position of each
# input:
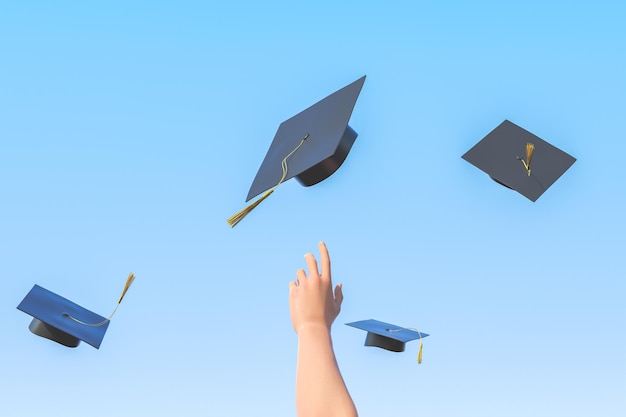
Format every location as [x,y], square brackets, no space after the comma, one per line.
[329,140]
[502,154]
[387,336]
[310,146]
[63,321]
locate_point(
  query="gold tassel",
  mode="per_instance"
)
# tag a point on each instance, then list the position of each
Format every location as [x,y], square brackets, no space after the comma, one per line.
[419,354]
[232,221]
[129,281]
[529,154]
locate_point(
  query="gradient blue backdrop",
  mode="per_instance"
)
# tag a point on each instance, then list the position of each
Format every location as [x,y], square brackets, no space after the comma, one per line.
[129,132]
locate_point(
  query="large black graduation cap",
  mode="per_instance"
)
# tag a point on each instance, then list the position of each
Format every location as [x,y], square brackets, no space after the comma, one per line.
[517,159]
[310,146]
[329,138]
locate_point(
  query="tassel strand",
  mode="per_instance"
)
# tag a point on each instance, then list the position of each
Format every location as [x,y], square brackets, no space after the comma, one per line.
[233,220]
[530,148]
[129,281]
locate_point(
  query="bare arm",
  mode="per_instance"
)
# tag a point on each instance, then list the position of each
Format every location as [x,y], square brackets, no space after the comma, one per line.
[320,390]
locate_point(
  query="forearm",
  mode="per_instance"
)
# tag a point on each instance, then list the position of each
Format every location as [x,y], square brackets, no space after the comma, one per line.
[320,390]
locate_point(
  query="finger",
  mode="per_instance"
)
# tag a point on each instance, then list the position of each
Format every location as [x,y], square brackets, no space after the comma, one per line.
[325,259]
[338,296]
[300,277]
[312,265]
[293,289]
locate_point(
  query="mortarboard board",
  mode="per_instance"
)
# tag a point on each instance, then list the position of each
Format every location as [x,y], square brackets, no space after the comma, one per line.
[310,146]
[388,336]
[519,160]
[63,321]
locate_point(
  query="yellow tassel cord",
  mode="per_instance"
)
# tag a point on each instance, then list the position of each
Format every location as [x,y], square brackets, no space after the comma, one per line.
[419,354]
[129,281]
[233,220]
[530,148]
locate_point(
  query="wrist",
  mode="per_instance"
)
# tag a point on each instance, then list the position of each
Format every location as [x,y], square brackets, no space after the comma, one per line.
[313,328]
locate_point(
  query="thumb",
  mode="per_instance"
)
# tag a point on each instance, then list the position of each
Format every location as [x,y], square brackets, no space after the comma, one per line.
[338,296]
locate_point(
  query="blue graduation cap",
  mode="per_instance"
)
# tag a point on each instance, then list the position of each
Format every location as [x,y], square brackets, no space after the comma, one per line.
[309,146]
[63,321]
[389,336]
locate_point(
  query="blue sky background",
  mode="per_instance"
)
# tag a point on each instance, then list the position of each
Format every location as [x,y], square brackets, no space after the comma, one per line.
[130,131]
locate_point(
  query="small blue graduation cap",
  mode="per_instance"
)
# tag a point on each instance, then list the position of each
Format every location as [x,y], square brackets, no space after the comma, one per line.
[63,321]
[387,336]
